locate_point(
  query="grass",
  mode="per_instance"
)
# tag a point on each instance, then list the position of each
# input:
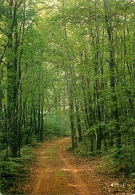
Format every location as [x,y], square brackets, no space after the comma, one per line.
[51,152]
[60,174]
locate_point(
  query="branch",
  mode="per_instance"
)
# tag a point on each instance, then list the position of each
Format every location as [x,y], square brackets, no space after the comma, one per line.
[3,53]
[4,62]
[18,5]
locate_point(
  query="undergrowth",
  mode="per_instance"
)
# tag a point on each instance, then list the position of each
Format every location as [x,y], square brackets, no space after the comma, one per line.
[13,171]
[117,162]
[114,168]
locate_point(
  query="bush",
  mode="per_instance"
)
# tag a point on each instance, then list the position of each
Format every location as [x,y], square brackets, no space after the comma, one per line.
[120,160]
[14,170]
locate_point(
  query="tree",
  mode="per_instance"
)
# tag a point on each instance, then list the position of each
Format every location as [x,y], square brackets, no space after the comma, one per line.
[68,56]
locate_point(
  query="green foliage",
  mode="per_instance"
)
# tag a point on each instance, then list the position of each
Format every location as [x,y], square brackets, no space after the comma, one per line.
[132,176]
[56,124]
[119,161]
[13,171]
[75,58]
[83,150]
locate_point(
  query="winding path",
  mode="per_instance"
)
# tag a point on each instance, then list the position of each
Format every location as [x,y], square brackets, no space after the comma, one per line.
[55,171]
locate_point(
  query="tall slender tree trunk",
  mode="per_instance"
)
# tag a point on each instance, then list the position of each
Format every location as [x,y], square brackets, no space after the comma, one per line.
[78,120]
[112,65]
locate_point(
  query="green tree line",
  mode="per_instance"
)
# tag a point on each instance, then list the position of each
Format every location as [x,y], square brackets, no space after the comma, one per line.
[94,45]
[70,61]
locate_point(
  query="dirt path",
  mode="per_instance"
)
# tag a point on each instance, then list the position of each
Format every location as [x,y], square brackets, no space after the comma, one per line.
[55,171]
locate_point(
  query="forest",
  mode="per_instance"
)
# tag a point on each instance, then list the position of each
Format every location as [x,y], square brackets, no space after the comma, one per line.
[67,68]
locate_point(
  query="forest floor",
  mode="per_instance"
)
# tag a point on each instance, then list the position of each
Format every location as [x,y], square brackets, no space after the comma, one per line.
[56,171]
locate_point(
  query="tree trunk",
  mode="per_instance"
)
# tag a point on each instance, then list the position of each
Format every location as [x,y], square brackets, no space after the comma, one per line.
[112,65]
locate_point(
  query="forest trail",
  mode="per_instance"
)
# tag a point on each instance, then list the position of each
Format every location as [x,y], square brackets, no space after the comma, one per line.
[55,171]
